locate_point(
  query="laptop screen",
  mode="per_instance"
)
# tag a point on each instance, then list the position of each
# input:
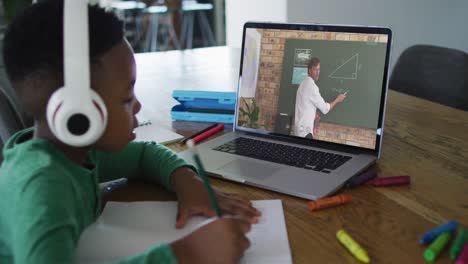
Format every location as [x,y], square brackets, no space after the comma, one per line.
[316,82]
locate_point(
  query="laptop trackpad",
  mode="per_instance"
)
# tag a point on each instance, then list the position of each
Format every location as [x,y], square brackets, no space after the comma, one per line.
[251,169]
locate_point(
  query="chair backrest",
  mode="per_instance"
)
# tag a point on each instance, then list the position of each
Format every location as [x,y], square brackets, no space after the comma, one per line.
[434,73]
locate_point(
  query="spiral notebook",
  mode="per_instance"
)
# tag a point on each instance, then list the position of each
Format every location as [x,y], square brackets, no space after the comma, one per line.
[148,131]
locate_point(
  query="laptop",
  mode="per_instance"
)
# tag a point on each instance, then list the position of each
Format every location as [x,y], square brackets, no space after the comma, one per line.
[298,130]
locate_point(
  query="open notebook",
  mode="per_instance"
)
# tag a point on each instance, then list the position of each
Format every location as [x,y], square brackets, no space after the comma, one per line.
[126,229]
[149,131]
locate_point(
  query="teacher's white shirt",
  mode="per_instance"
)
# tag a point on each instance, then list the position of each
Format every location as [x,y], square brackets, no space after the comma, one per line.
[308,99]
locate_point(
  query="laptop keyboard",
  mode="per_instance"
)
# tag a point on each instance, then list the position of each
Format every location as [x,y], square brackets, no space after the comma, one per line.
[284,154]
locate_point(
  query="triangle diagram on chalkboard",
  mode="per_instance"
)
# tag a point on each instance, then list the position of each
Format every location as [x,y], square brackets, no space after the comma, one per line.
[347,70]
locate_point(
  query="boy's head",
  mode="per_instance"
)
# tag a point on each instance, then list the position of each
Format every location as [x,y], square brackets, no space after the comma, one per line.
[33,55]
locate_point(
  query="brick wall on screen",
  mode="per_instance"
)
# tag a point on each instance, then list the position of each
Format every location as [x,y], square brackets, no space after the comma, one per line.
[346,135]
[269,79]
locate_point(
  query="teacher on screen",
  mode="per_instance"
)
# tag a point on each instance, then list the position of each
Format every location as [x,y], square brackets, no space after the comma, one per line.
[308,100]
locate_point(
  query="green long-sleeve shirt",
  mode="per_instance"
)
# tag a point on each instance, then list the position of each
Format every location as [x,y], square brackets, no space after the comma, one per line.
[46,200]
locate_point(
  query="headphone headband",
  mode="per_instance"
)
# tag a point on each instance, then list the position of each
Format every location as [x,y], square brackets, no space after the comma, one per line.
[75,113]
[76,47]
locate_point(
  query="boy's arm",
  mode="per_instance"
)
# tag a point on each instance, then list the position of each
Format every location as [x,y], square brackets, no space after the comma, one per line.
[49,218]
[143,160]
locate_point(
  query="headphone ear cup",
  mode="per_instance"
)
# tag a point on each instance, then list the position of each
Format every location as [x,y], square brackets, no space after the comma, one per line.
[53,105]
[101,111]
[76,123]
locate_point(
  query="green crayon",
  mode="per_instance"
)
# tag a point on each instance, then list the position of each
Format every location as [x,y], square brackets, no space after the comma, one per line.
[431,253]
[457,246]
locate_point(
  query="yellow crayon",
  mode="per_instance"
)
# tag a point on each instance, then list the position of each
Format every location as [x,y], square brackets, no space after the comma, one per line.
[352,246]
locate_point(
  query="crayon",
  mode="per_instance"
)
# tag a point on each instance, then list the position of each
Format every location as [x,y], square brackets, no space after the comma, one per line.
[457,246]
[328,202]
[431,253]
[208,133]
[431,235]
[463,258]
[390,181]
[352,246]
[198,133]
[361,179]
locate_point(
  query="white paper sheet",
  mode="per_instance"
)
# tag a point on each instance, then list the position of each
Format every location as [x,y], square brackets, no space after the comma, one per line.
[126,229]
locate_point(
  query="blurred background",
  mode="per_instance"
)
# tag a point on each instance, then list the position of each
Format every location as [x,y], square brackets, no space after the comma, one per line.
[159,25]
[429,51]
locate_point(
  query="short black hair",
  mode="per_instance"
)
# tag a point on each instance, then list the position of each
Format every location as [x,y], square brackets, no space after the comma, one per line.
[33,42]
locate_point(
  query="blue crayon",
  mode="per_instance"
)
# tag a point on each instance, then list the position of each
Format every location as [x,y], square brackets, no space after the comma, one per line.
[431,235]
[361,179]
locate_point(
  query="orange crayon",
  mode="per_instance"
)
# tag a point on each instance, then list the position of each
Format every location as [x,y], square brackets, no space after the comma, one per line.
[329,202]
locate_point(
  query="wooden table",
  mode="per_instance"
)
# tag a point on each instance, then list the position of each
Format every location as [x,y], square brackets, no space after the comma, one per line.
[422,139]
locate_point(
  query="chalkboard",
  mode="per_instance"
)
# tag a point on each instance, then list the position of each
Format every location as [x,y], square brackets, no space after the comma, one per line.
[346,66]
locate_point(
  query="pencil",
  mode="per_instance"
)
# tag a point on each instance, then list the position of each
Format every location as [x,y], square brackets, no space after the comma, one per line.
[202,174]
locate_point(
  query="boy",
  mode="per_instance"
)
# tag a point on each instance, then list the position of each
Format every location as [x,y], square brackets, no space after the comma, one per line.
[49,191]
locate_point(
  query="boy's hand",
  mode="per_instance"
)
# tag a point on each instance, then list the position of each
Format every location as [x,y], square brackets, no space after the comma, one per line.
[221,241]
[193,199]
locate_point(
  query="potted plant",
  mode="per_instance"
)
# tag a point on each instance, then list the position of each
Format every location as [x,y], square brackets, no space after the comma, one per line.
[251,114]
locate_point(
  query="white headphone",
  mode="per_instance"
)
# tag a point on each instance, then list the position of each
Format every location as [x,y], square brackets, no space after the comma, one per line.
[76,114]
